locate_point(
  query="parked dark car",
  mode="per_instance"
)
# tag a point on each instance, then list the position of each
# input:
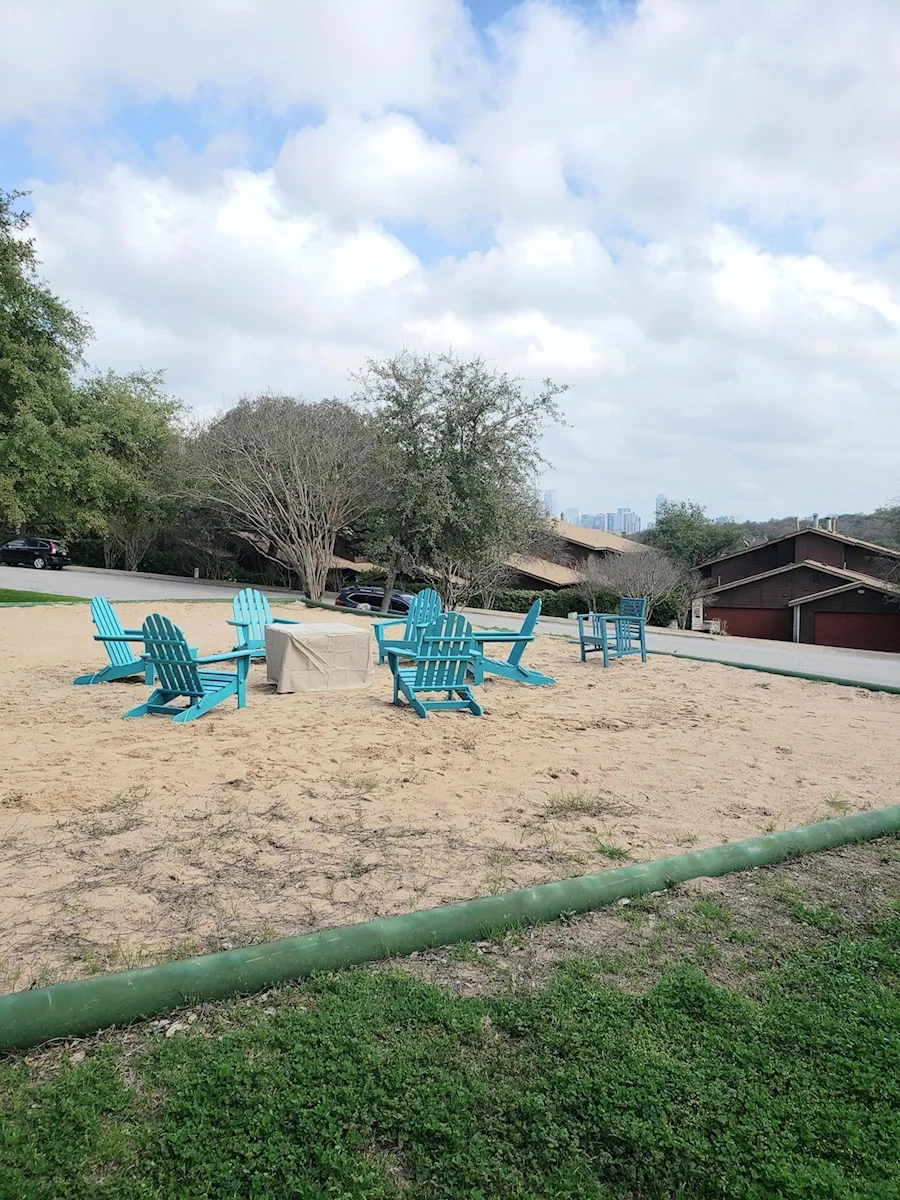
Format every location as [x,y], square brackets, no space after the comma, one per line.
[35,552]
[369,599]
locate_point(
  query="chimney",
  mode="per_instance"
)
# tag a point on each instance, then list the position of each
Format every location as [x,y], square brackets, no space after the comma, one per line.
[815,520]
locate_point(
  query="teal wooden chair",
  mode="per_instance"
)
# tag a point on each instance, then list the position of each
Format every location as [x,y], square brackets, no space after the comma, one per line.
[615,635]
[182,675]
[251,616]
[425,609]
[445,654]
[510,667]
[117,642]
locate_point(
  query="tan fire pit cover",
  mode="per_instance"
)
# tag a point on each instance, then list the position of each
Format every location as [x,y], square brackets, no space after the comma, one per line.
[321,657]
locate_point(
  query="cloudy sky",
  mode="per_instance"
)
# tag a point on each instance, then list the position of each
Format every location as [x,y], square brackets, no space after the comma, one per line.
[687,210]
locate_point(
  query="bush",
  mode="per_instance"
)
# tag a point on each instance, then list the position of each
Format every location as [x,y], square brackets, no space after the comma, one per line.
[554,603]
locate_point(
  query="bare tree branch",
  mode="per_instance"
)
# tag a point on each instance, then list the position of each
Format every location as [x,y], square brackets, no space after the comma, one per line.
[292,474]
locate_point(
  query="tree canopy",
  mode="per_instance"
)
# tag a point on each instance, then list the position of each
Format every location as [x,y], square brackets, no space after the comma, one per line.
[460,446]
[75,454]
[687,536]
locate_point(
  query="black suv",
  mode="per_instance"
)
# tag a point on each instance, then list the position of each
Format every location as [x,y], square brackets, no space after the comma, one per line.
[369,599]
[35,552]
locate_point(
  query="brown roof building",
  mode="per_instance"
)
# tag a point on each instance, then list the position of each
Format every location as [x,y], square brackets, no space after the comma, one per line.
[813,586]
[577,547]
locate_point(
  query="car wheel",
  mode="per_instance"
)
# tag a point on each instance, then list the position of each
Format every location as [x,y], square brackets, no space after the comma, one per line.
[39,563]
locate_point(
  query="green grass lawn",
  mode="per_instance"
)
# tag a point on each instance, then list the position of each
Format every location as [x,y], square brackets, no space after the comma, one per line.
[378,1084]
[12,596]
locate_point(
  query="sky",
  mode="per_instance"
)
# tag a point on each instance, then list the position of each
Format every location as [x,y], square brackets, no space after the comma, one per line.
[685,210]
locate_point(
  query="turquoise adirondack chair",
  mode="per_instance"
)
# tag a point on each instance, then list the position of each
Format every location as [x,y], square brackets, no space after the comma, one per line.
[251,616]
[510,667]
[425,609]
[445,654]
[615,635]
[182,675]
[117,643]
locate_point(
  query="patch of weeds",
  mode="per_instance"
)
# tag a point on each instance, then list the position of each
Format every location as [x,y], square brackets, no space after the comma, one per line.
[577,802]
[837,803]
[820,916]
[716,914]
[686,839]
[708,953]
[464,952]
[611,850]
[742,937]
[511,938]
[613,964]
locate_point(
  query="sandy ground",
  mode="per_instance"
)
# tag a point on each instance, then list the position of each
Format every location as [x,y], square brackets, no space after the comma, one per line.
[128,842]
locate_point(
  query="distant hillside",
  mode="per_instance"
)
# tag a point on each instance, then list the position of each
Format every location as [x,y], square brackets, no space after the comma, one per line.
[881,527]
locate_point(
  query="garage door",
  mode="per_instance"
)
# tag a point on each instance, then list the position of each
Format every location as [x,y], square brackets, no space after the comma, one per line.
[858,631]
[772,623]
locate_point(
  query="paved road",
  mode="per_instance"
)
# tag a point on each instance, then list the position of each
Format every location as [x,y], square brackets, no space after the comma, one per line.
[859,665]
[114,585]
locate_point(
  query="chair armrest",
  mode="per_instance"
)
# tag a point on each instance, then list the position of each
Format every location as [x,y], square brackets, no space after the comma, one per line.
[118,637]
[285,621]
[503,637]
[240,624]
[229,656]
[385,624]
[137,632]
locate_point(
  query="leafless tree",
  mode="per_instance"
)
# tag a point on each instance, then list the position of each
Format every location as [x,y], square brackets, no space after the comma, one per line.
[127,540]
[291,475]
[647,574]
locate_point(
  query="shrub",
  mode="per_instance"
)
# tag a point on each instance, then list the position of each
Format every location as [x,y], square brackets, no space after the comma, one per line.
[557,603]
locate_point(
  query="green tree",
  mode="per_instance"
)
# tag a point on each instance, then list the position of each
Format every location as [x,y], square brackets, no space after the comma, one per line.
[124,442]
[460,447]
[687,536]
[41,343]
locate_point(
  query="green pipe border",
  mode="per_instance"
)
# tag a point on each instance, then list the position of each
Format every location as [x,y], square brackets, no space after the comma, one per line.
[86,1006]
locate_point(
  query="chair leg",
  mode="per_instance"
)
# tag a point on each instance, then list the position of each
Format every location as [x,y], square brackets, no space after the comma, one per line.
[140,711]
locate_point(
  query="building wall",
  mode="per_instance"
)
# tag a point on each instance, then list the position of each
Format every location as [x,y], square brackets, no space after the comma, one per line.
[775,592]
[865,601]
[807,544]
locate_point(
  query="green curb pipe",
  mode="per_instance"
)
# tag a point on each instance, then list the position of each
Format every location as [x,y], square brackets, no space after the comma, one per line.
[88,1005]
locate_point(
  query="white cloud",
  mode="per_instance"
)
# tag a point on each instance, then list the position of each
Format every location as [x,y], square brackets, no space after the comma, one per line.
[685,212]
[62,57]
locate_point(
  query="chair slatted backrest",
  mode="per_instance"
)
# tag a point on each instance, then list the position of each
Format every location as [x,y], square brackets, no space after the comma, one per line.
[633,607]
[425,609]
[107,623]
[176,668]
[445,652]
[252,606]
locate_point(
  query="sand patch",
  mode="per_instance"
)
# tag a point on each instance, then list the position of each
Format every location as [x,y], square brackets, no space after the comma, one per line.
[121,842]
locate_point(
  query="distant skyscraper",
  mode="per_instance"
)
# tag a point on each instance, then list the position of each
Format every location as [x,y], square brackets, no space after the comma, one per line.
[551,508]
[572,515]
[587,521]
[660,504]
[600,521]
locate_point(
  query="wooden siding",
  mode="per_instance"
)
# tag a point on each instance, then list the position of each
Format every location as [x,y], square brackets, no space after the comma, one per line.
[777,591]
[806,544]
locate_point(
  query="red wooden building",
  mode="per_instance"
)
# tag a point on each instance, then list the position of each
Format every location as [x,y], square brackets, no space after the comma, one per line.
[814,585]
